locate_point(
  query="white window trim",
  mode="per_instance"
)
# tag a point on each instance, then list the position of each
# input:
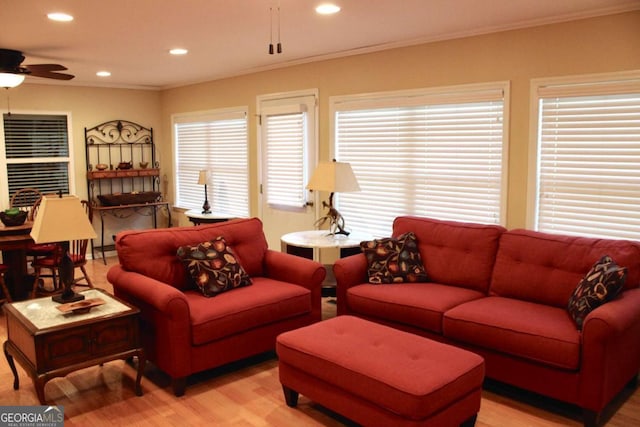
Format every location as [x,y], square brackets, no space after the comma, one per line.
[200,115]
[284,96]
[449,94]
[4,185]
[567,85]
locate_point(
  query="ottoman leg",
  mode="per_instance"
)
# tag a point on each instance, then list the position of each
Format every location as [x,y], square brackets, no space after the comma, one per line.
[290,396]
[470,422]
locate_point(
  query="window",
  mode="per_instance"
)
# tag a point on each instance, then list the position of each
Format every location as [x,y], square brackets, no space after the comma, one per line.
[215,141]
[286,146]
[436,153]
[36,148]
[587,173]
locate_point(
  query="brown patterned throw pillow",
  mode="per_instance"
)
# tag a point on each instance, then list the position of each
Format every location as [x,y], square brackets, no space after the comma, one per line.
[392,260]
[213,266]
[601,284]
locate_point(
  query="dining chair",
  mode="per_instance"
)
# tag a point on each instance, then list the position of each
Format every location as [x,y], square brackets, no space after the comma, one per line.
[25,199]
[6,296]
[36,250]
[78,253]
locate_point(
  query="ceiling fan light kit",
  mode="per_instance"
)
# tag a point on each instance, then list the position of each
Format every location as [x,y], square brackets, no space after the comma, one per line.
[9,80]
[13,73]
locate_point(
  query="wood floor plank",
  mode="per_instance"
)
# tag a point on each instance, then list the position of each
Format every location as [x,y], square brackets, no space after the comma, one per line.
[247,394]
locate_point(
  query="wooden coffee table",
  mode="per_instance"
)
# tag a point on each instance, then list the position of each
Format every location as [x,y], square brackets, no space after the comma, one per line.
[49,343]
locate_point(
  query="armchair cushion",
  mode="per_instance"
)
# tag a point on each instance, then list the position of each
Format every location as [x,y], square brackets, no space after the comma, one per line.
[213,266]
[244,309]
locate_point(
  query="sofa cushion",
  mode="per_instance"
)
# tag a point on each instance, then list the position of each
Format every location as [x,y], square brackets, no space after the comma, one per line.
[419,305]
[213,266]
[242,309]
[394,260]
[600,285]
[152,252]
[454,253]
[545,268]
[535,332]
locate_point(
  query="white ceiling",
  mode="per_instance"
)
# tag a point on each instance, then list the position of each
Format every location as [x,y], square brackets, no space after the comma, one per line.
[131,38]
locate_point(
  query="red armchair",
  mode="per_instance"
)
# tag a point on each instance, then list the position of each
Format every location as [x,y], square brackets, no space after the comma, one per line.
[185,332]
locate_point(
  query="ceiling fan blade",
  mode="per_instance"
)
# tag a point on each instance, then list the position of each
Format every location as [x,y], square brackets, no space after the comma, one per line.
[47,71]
[45,67]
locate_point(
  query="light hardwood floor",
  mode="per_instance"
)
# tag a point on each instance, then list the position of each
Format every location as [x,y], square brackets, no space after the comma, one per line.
[247,394]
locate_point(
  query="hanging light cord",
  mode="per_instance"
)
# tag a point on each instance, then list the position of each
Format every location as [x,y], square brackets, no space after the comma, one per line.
[271,30]
[279,45]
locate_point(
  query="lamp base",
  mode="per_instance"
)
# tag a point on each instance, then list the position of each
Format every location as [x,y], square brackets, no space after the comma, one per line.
[63,299]
[66,278]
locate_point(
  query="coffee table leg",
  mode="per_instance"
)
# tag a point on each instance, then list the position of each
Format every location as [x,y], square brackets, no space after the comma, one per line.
[12,365]
[141,362]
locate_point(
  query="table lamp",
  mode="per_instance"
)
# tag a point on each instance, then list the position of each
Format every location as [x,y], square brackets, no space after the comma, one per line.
[334,177]
[61,219]
[203,179]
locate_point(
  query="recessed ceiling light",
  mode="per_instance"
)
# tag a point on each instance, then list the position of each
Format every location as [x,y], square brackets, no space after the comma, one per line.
[327,9]
[178,51]
[103,74]
[60,17]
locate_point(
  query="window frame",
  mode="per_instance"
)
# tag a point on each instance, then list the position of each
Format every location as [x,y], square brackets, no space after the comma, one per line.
[220,114]
[566,86]
[433,96]
[5,197]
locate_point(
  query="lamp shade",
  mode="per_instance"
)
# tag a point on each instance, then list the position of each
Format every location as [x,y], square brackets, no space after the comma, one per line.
[9,80]
[61,219]
[333,177]
[203,177]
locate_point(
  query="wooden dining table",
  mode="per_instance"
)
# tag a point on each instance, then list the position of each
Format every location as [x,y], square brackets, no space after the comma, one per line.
[13,244]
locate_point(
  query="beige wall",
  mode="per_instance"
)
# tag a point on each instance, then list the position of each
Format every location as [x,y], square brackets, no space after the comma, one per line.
[90,107]
[605,44]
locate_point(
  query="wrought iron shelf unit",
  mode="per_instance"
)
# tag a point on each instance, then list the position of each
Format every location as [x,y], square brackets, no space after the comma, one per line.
[121,165]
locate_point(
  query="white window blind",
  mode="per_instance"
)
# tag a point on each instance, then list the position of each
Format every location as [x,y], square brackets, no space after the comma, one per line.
[217,142]
[285,159]
[37,152]
[438,155]
[588,172]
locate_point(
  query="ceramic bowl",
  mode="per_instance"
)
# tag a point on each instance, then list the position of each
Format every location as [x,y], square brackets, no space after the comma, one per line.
[13,220]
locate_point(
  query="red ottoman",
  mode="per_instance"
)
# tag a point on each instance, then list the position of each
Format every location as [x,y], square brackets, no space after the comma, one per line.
[379,376]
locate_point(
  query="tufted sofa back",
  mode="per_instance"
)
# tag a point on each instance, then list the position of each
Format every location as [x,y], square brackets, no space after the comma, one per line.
[546,268]
[454,253]
[153,252]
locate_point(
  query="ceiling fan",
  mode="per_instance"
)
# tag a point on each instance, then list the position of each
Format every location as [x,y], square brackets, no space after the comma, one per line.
[12,73]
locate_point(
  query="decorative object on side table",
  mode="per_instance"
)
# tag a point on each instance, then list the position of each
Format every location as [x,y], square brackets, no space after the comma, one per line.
[203,179]
[333,177]
[60,219]
[13,217]
[80,307]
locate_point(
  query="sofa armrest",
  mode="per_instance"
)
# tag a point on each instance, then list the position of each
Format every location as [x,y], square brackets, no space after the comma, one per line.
[610,349]
[349,271]
[164,309]
[301,271]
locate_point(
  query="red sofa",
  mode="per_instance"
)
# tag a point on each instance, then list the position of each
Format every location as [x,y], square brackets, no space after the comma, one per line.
[185,332]
[504,294]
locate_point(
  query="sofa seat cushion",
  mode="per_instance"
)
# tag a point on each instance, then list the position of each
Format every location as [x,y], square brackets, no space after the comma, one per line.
[537,332]
[417,304]
[241,309]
